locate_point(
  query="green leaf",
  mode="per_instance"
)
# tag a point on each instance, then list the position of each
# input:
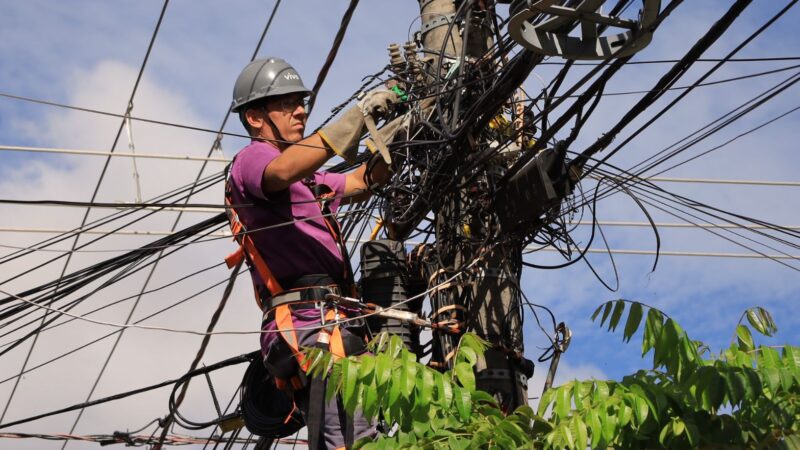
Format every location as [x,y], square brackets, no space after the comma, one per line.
[581,435]
[469,355]
[760,319]
[545,401]
[652,330]
[619,307]
[744,338]
[444,391]
[766,317]
[592,419]
[634,319]
[640,409]
[606,311]
[771,377]
[791,442]
[602,389]
[768,357]
[563,401]
[577,394]
[462,400]
[424,388]
[692,434]
[471,340]
[597,312]
[754,386]
[514,432]
[791,357]
[408,373]
[735,385]
[383,368]
[677,426]
[786,379]
[395,346]
[367,370]
[465,375]
[665,433]
[666,344]
[349,381]
[395,386]
[569,438]
[625,414]
[370,402]
[457,443]
[609,426]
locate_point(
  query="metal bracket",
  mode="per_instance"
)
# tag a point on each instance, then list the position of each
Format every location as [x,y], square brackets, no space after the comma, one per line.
[436,23]
[547,37]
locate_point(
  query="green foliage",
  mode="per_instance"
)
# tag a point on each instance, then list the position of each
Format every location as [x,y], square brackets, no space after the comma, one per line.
[746,397]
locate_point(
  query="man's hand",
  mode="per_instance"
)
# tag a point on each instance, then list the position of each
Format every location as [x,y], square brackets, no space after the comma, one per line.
[343,135]
[378,103]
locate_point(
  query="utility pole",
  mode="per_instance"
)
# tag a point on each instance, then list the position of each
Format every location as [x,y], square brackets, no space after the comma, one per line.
[489,301]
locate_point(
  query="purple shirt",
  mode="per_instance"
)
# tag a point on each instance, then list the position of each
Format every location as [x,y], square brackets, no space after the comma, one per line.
[302,244]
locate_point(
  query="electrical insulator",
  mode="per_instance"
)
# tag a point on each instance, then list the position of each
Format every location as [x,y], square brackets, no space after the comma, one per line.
[396,60]
[413,63]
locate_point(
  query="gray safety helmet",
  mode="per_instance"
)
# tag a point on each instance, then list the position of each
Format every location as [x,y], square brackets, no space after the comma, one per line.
[264,78]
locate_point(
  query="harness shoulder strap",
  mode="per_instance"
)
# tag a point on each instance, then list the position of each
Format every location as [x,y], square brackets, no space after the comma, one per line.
[324,195]
[247,247]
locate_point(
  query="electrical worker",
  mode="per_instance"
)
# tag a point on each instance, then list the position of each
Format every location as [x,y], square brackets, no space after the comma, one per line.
[290,237]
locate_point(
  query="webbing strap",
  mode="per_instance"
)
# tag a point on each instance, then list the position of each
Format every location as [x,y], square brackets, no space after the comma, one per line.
[253,256]
[283,319]
[335,342]
[316,411]
[324,195]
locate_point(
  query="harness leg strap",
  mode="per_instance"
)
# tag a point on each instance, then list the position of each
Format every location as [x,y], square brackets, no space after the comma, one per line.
[316,410]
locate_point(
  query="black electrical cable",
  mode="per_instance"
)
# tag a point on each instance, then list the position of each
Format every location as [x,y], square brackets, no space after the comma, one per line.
[96,190]
[113,303]
[721,124]
[175,403]
[673,61]
[77,231]
[337,42]
[740,135]
[712,128]
[203,370]
[77,281]
[678,70]
[101,338]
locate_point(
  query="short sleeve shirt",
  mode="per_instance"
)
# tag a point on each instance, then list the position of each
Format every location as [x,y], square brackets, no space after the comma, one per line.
[286,226]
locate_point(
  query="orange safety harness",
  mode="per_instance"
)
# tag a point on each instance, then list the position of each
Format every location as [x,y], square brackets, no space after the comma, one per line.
[283,315]
[329,337]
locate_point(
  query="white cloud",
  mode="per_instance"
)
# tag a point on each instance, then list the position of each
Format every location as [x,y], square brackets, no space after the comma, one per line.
[195,59]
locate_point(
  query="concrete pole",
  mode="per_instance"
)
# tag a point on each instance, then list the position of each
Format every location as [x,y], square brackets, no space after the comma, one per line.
[492,299]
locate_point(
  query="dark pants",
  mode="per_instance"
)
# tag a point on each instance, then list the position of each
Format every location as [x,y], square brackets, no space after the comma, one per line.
[335,420]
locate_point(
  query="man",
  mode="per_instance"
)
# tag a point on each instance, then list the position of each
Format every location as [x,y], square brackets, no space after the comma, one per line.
[290,236]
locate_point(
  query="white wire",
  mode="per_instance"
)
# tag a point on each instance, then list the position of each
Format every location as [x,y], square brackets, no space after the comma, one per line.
[205,333]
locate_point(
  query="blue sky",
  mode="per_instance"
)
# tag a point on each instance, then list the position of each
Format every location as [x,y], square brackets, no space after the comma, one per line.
[87,53]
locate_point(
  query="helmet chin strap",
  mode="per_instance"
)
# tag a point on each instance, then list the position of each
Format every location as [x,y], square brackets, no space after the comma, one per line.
[277,134]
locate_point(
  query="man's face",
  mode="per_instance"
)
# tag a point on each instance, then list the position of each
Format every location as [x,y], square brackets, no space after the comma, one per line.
[288,114]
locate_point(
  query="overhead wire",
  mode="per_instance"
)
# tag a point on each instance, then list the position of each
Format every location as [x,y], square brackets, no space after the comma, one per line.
[215,145]
[180,302]
[352,227]
[678,70]
[97,186]
[337,42]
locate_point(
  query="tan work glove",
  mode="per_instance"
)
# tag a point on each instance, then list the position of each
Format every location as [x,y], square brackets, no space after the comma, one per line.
[378,142]
[343,135]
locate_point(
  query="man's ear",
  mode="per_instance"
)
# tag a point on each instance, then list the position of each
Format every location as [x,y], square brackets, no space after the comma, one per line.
[255,118]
